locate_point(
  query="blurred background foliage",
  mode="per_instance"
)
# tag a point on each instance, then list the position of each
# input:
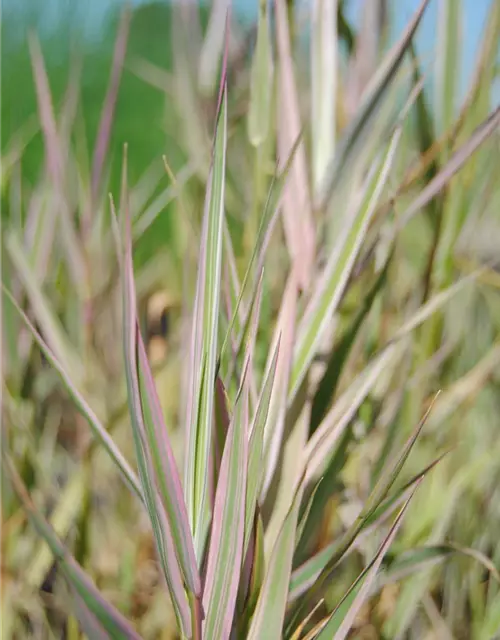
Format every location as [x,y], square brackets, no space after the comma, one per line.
[73,43]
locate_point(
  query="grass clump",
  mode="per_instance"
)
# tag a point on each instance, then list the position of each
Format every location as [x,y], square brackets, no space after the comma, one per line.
[283,492]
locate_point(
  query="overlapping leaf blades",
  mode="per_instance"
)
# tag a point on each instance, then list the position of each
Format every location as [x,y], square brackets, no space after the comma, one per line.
[205,337]
[212,555]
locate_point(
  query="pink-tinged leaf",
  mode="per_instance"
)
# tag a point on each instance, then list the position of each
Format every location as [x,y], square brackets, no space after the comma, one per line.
[456,162]
[56,163]
[45,107]
[53,157]
[205,337]
[161,528]
[108,110]
[70,105]
[296,200]
[225,553]
[275,423]
[234,292]
[89,623]
[103,613]
[250,334]
[167,475]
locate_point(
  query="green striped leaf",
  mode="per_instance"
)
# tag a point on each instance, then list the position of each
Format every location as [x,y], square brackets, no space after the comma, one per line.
[205,336]
[256,444]
[324,47]
[328,384]
[266,226]
[275,423]
[331,286]
[267,621]
[161,528]
[91,626]
[167,475]
[225,553]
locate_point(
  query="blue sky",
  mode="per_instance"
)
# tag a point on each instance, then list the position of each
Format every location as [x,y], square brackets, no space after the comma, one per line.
[473,21]
[475,12]
[474,15]
[93,13]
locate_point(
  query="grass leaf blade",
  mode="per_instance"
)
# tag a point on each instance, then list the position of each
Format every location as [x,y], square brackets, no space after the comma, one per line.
[455,163]
[161,528]
[167,474]
[205,331]
[108,109]
[97,427]
[324,48]
[261,81]
[296,202]
[108,617]
[352,140]
[275,423]
[225,554]
[332,283]
[270,609]
[256,444]
[340,625]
